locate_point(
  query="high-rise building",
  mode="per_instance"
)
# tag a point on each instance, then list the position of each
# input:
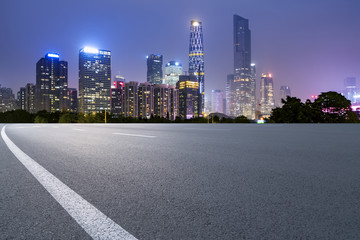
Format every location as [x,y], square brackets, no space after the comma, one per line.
[196,61]
[266,95]
[173,102]
[228,98]
[117,98]
[188,87]
[26,98]
[94,80]
[119,78]
[284,92]
[51,83]
[146,100]
[131,106]
[350,89]
[73,100]
[154,69]
[217,101]
[242,86]
[173,70]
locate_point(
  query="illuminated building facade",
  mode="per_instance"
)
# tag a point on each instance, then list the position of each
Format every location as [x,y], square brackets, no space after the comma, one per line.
[51,83]
[146,100]
[196,61]
[283,93]
[217,101]
[173,70]
[266,95]
[154,69]
[165,101]
[243,86]
[131,106]
[173,102]
[73,100]
[94,80]
[189,96]
[229,80]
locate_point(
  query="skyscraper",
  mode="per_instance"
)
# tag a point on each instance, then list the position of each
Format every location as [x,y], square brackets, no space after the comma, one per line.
[117,97]
[350,89]
[7,99]
[228,98]
[196,60]
[173,70]
[188,87]
[146,100]
[94,80]
[26,98]
[242,88]
[154,69]
[216,101]
[266,95]
[51,83]
[284,92]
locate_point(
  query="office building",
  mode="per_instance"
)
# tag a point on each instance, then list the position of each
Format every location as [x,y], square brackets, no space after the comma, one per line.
[242,86]
[131,106]
[154,69]
[94,80]
[173,70]
[196,62]
[26,98]
[146,100]
[189,96]
[173,102]
[51,83]
[266,95]
[217,101]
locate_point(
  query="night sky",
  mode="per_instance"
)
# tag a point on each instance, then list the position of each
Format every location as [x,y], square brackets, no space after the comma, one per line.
[310,45]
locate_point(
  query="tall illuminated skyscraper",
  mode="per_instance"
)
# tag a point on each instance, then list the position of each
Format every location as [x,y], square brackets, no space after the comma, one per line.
[117,98]
[131,106]
[94,80]
[350,90]
[173,70]
[196,60]
[51,83]
[267,102]
[154,69]
[242,88]
[216,101]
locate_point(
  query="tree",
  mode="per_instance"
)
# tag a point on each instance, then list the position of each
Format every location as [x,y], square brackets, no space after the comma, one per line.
[334,108]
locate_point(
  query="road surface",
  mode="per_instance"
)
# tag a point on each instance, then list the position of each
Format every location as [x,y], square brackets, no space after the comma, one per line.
[180,181]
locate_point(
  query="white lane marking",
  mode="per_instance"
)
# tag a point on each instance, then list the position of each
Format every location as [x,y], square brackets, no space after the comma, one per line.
[78,129]
[94,222]
[208,129]
[135,135]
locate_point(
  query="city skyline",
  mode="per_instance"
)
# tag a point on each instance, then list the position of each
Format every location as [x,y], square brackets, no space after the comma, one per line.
[309,58]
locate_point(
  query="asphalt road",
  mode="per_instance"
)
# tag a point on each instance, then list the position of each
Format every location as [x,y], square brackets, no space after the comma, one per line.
[187,181]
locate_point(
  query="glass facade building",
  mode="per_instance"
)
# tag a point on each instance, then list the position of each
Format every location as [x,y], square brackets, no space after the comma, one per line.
[266,95]
[242,87]
[51,84]
[94,80]
[217,101]
[283,93]
[173,70]
[196,61]
[154,69]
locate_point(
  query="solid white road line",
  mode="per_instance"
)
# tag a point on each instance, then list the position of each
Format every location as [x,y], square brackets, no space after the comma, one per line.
[78,129]
[94,222]
[135,135]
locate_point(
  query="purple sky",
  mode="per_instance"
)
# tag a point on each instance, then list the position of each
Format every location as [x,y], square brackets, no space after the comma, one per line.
[310,45]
